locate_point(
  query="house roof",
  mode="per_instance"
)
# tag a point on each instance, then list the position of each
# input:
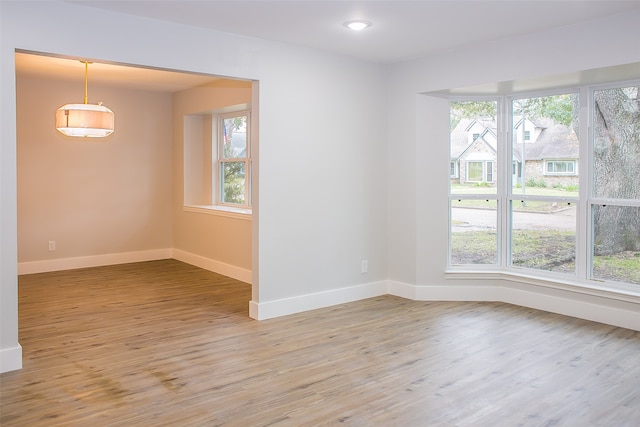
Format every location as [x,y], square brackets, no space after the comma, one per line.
[555,142]
[459,143]
[459,138]
[479,140]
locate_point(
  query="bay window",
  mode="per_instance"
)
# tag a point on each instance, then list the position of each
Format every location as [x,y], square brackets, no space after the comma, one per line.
[523,206]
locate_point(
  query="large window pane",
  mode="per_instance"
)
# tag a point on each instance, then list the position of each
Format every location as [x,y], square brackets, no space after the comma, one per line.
[616,243]
[473,232]
[543,241]
[545,145]
[473,147]
[616,165]
[545,156]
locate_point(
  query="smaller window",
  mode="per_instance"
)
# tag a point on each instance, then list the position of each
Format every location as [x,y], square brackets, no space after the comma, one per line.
[453,172]
[479,171]
[560,167]
[476,136]
[233,160]
[527,135]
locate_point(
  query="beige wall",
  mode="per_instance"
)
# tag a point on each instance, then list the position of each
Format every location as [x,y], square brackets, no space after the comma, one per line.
[213,236]
[92,196]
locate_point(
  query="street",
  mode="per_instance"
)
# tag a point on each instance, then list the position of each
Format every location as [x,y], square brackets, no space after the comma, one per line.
[469,219]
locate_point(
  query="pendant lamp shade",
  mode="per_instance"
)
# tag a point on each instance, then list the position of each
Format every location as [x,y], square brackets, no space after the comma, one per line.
[85,120]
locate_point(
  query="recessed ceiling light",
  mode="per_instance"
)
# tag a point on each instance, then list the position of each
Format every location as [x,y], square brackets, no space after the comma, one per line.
[357,24]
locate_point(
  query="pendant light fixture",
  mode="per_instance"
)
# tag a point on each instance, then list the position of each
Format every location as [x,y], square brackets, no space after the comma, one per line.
[85,120]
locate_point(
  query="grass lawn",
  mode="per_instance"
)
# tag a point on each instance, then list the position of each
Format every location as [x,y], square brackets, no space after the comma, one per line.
[622,267]
[547,250]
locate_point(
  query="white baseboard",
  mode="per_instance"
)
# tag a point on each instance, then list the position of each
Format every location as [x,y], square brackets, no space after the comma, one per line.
[228,270]
[582,306]
[59,264]
[11,359]
[443,293]
[610,312]
[297,304]
[91,261]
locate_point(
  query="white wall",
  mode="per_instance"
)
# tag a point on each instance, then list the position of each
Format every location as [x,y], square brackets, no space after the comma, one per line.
[322,165]
[322,186]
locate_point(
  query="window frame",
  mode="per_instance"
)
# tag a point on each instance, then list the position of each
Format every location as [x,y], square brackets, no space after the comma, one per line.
[585,201]
[592,200]
[477,196]
[219,161]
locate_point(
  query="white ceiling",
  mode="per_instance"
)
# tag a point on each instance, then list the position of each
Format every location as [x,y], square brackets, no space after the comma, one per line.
[32,64]
[401,30]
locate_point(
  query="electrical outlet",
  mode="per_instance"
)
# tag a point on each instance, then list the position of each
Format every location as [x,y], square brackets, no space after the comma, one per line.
[365,266]
[52,245]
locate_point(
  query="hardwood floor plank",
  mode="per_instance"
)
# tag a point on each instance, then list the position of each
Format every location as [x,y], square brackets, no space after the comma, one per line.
[163,343]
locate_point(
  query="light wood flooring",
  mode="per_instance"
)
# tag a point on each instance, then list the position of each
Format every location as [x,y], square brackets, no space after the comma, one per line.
[163,343]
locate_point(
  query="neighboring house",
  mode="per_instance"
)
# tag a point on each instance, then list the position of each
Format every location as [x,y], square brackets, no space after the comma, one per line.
[550,150]
[474,151]
[551,158]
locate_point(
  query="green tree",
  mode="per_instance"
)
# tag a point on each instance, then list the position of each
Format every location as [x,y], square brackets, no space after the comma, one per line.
[559,108]
[616,164]
[471,109]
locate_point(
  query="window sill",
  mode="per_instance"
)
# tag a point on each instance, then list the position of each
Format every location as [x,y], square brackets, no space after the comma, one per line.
[225,211]
[611,290]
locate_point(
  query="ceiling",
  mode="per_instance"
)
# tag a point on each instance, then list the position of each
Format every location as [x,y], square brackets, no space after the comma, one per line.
[401,30]
[152,79]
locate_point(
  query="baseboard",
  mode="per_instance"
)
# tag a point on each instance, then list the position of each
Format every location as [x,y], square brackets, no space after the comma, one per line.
[574,304]
[298,304]
[228,270]
[91,261]
[443,293]
[59,264]
[596,309]
[11,359]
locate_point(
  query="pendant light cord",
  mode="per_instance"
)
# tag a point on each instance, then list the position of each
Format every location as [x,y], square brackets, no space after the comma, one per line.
[86,82]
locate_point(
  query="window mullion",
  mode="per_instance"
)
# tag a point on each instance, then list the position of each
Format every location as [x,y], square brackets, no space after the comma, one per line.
[583,214]
[504,180]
